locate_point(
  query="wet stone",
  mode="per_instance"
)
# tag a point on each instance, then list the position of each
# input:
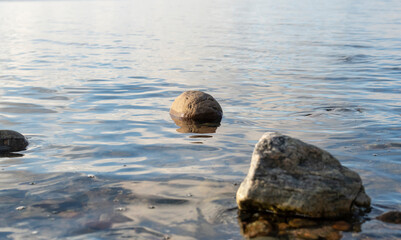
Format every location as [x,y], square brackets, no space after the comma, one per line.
[12,141]
[390,217]
[282,226]
[319,233]
[288,176]
[306,234]
[257,228]
[287,227]
[341,226]
[300,222]
[197,106]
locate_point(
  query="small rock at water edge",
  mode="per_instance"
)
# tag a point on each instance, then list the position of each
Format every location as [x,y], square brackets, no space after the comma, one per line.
[391,217]
[197,106]
[295,178]
[12,141]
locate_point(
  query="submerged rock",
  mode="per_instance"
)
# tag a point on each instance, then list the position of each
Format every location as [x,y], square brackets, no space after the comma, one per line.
[341,226]
[197,106]
[327,233]
[257,229]
[273,226]
[12,141]
[292,177]
[391,217]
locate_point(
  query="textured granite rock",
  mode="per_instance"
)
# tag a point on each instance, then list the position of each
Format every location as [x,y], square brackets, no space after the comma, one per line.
[12,141]
[292,177]
[197,106]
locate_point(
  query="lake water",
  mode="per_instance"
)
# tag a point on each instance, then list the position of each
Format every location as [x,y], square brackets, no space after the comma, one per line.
[90,84]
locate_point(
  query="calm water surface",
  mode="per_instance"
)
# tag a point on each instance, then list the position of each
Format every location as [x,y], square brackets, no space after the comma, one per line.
[90,84]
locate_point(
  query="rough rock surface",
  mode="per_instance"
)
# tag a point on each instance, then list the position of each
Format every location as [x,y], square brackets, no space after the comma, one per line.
[197,106]
[292,177]
[12,141]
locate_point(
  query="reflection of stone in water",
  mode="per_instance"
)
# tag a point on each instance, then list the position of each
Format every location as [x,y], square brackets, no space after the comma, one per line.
[258,224]
[190,126]
[200,136]
[10,155]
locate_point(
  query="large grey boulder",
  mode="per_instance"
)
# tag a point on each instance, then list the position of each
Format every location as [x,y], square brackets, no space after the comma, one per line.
[292,177]
[12,141]
[196,106]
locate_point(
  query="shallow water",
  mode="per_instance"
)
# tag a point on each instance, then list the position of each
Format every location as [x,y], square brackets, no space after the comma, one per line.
[90,84]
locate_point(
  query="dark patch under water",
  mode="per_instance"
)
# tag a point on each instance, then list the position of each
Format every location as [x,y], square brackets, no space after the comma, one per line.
[73,205]
[78,206]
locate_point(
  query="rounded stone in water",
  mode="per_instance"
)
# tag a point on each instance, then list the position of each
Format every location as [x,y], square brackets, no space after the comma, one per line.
[197,106]
[12,141]
[391,217]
